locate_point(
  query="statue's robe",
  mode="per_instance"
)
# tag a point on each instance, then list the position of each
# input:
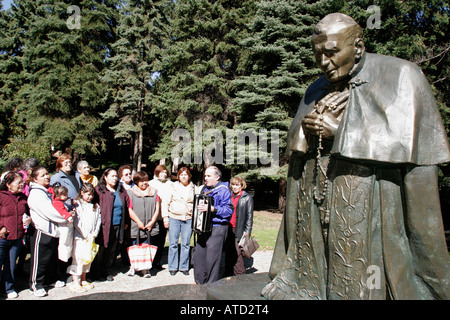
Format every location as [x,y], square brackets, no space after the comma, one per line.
[383,237]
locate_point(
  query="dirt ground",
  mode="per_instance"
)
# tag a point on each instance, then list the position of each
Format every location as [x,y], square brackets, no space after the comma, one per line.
[259,263]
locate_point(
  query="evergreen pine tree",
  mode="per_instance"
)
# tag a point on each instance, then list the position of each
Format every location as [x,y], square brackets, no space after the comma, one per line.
[60,95]
[198,67]
[11,75]
[133,66]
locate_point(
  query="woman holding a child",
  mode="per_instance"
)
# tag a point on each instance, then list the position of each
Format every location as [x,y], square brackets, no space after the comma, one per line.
[67,177]
[45,238]
[70,179]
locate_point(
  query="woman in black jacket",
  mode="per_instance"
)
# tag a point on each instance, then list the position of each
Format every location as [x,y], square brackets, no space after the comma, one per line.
[240,225]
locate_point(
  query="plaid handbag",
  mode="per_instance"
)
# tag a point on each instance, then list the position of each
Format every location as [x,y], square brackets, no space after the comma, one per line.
[141,255]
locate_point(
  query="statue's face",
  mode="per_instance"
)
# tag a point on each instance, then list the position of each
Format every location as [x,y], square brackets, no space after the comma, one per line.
[335,54]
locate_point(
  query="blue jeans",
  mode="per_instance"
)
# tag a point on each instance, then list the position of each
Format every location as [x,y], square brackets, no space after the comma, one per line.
[177,227]
[9,251]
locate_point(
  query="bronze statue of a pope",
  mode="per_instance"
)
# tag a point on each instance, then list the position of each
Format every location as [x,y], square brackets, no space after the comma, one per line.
[363,218]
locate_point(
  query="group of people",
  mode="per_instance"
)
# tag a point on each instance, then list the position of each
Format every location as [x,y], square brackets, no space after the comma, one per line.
[54,219]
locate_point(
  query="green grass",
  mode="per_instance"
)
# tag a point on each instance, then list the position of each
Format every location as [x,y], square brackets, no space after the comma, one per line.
[265,229]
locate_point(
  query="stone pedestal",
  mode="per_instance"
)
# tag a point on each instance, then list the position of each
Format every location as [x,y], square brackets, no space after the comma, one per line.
[242,287]
[173,293]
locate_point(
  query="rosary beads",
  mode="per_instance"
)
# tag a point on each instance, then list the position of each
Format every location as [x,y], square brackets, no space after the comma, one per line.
[319,197]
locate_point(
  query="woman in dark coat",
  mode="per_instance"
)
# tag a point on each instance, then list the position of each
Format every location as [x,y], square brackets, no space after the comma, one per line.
[240,225]
[114,205]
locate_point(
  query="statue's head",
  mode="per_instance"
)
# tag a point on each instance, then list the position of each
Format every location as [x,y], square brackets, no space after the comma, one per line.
[337,45]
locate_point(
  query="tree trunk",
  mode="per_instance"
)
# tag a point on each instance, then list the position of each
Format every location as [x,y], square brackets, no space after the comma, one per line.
[139,138]
[282,195]
[137,153]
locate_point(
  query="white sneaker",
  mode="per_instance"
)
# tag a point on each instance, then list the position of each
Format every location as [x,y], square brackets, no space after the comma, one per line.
[12,295]
[40,293]
[60,284]
[146,274]
[131,272]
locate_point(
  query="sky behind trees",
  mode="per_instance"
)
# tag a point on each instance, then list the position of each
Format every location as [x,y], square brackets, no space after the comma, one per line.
[6,4]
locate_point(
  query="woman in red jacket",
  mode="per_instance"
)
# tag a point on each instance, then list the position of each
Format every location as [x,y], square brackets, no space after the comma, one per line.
[13,207]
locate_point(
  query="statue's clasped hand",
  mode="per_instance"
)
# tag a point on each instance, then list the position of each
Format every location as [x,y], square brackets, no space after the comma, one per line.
[327,115]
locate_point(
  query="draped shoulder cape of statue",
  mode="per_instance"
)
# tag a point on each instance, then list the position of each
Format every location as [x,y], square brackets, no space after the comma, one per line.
[379,233]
